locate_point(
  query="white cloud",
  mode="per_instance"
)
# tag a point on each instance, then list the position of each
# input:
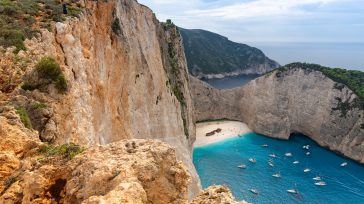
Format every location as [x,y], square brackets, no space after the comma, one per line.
[268,20]
[259,8]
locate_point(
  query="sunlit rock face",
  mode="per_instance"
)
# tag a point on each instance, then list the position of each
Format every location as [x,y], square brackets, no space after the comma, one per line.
[293,101]
[127,78]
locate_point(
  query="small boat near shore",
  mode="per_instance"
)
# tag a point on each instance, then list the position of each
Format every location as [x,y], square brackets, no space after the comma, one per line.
[242,166]
[273,155]
[253,160]
[317,178]
[264,145]
[293,191]
[288,154]
[306,147]
[306,170]
[321,183]
[344,164]
[271,164]
[308,153]
[278,175]
[255,191]
[296,162]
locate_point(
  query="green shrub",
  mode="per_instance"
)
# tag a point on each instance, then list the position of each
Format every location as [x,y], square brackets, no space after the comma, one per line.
[116,26]
[74,11]
[61,83]
[24,117]
[168,24]
[68,150]
[12,37]
[21,16]
[39,106]
[48,68]
[179,95]
[27,87]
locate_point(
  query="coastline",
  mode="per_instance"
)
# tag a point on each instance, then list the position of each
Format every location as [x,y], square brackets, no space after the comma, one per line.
[229,129]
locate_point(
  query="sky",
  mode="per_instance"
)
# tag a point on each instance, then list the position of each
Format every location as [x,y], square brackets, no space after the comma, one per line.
[268,20]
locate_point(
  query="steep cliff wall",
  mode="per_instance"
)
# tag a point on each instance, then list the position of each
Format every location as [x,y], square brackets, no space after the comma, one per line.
[291,101]
[126,75]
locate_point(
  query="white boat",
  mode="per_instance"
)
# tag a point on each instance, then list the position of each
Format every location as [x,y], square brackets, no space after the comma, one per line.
[264,145]
[308,153]
[242,166]
[306,147]
[273,155]
[252,160]
[255,191]
[296,162]
[293,191]
[278,175]
[307,170]
[321,183]
[288,154]
[317,178]
[343,164]
[271,164]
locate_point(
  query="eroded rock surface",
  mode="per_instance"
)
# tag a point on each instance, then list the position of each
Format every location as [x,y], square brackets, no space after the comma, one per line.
[129,171]
[216,195]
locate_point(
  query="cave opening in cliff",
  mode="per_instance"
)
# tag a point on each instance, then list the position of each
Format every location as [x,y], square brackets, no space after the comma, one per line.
[57,188]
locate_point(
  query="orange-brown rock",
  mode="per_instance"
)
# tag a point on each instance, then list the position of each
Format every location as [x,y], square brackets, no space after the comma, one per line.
[216,195]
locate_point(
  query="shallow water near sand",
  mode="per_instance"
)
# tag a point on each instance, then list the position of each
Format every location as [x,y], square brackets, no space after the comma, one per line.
[217,164]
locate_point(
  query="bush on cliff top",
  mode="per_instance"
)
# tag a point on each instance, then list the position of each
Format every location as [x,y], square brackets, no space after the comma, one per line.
[21,19]
[49,70]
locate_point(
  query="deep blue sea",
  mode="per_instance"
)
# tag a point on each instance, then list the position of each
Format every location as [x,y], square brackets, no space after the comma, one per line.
[332,54]
[217,164]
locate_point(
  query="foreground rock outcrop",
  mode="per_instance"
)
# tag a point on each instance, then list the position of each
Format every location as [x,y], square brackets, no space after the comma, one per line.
[216,195]
[296,100]
[133,171]
[129,171]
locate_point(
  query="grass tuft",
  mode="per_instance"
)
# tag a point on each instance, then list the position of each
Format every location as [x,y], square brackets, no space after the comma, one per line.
[24,117]
[68,150]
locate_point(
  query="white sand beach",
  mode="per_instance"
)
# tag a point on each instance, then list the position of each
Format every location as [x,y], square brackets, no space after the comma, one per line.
[229,129]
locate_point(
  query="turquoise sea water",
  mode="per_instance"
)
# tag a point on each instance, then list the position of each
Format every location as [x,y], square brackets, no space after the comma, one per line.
[217,164]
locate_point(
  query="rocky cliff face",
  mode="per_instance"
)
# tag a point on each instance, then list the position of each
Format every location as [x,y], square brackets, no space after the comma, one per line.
[291,101]
[126,75]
